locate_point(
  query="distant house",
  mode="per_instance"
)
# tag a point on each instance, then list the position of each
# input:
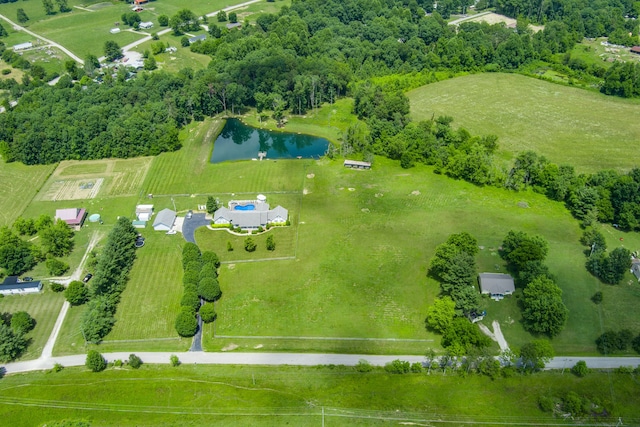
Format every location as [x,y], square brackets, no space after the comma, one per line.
[635,49]
[144,212]
[199,38]
[137,2]
[164,220]
[22,46]
[13,285]
[74,217]
[233,25]
[635,268]
[146,25]
[354,164]
[114,30]
[250,214]
[496,285]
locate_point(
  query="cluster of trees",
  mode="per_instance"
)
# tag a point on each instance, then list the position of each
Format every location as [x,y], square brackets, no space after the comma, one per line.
[109,280]
[18,255]
[543,311]
[622,80]
[575,405]
[200,280]
[49,9]
[13,328]
[609,267]
[617,341]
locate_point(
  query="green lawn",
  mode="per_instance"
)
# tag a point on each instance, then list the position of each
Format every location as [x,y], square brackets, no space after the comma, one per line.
[19,184]
[569,126]
[44,307]
[270,396]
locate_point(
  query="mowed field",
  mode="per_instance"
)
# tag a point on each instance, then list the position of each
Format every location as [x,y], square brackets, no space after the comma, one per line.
[44,308]
[20,184]
[302,396]
[569,126]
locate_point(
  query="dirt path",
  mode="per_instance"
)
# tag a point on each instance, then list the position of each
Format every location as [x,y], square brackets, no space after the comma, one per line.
[496,335]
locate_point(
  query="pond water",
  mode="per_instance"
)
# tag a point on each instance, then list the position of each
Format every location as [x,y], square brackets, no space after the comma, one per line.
[238,141]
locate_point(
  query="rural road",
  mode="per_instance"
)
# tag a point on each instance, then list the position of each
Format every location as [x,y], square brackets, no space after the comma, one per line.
[274,359]
[59,46]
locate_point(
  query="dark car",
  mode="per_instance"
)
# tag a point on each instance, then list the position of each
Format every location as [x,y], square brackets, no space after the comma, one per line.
[27,279]
[87,277]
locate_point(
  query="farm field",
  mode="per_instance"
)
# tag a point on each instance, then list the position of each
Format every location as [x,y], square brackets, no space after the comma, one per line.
[267,396]
[44,308]
[20,184]
[529,114]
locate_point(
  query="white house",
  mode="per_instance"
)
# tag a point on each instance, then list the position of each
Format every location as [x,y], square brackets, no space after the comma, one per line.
[144,212]
[22,46]
[146,25]
[13,285]
[164,220]
[250,214]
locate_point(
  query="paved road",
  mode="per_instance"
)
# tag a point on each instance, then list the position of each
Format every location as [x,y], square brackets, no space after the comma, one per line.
[300,359]
[59,46]
[189,226]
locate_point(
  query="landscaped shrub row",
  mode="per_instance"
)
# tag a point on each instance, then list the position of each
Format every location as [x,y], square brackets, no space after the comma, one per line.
[110,278]
[200,282]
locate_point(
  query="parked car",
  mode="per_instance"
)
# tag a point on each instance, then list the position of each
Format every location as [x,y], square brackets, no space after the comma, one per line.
[87,277]
[189,214]
[27,279]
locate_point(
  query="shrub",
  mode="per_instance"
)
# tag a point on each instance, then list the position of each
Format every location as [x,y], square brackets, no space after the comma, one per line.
[597,297]
[56,267]
[364,366]
[134,361]
[77,293]
[56,287]
[118,363]
[209,289]
[229,246]
[95,362]
[398,367]
[580,368]
[163,20]
[208,270]
[271,243]
[186,323]
[57,367]
[249,244]
[174,360]
[210,257]
[184,41]
[6,71]
[546,403]
[208,313]
[416,367]
[190,276]
[22,322]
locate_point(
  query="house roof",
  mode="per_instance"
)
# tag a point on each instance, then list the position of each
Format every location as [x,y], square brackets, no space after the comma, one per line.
[250,219]
[278,211]
[12,283]
[197,38]
[635,49]
[72,216]
[165,217]
[144,209]
[357,163]
[635,269]
[233,25]
[496,283]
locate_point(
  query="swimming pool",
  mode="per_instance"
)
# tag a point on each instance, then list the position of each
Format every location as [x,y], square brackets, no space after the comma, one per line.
[244,208]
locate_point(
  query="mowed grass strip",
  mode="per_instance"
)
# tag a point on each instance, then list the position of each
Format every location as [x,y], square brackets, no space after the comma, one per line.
[44,307]
[569,126]
[151,300]
[20,184]
[188,171]
[267,396]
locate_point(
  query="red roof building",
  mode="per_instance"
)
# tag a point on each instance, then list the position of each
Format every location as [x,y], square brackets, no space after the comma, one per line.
[635,49]
[73,216]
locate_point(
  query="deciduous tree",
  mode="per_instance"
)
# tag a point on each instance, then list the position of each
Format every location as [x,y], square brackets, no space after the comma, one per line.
[76,293]
[12,343]
[22,322]
[440,315]
[95,361]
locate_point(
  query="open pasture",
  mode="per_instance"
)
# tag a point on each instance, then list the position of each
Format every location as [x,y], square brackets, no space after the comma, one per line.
[44,308]
[20,184]
[587,130]
[266,396]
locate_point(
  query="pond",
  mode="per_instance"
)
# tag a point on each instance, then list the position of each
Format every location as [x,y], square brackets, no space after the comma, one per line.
[238,141]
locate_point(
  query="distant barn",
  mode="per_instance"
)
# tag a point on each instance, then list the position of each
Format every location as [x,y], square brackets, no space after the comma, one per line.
[355,164]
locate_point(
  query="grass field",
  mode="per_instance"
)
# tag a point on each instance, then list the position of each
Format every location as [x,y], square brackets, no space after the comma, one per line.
[569,126]
[269,396]
[44,308]
[20,184]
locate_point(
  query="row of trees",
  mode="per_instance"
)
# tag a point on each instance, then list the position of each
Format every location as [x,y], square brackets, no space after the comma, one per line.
[200,280]
[617,341]
[110,278]
[49,9]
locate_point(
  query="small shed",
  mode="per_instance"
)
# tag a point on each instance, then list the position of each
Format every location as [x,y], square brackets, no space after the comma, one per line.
[496,285]
[199,38]
[139,224]
[146,25]
[164,220]
[144,212]
[13,285]
[74,217]
[114,30]
[355,164]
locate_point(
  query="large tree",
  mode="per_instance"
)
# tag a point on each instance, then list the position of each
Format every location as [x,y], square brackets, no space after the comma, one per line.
[519,248]
[76,293]
[57,240]
[543,310]
[48,7]
[534,355]
[112,51]
[184,20]
[22,16]
[440,315]
[12,343]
